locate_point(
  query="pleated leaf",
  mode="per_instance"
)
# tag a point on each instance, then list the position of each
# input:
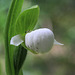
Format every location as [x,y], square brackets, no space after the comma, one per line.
[27,20]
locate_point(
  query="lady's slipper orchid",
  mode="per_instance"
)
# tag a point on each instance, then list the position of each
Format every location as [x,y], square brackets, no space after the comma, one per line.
[40,40]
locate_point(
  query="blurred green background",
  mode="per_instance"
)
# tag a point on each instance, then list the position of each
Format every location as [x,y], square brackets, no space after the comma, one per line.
[59,16]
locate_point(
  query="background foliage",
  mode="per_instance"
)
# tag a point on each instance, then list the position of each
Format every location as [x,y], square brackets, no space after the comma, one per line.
[59,16]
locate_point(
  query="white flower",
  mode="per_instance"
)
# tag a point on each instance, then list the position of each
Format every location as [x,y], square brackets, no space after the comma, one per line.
[40,40]
[16,40]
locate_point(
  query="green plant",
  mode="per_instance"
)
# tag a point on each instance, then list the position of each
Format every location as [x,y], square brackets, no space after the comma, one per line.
[17,25]
[15,21]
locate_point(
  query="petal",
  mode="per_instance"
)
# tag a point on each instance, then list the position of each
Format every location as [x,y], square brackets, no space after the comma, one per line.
[16,40]
[57,43]
[40,40]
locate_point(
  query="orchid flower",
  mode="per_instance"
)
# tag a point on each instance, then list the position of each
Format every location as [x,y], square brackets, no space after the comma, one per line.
[40,40]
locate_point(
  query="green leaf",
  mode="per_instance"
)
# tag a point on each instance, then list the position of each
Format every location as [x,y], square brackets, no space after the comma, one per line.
[27,20]
[14,11]
[17,25]
[19,57]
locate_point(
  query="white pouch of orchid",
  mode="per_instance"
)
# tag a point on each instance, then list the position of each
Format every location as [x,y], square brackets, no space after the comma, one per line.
[40,40]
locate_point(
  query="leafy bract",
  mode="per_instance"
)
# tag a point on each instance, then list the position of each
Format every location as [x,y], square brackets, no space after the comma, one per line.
[27,20]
